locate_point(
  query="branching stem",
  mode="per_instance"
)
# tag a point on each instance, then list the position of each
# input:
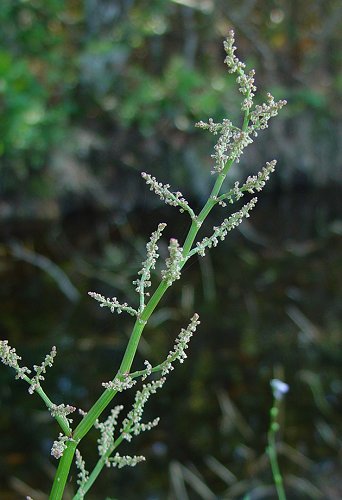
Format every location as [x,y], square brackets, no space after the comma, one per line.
[62,420]
[89,419]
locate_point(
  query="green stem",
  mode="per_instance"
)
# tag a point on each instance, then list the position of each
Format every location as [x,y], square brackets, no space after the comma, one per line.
[62,420]
[62,472]
[272,452]
[89,419]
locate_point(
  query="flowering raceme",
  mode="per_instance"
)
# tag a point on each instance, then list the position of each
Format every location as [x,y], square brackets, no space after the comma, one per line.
[151,283]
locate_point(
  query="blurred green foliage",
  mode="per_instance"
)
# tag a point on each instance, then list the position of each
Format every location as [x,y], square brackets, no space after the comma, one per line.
[143,71]
[33,92]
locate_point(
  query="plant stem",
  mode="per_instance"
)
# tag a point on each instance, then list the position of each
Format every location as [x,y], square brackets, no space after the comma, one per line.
[62,472]
[62,420]
[272,452]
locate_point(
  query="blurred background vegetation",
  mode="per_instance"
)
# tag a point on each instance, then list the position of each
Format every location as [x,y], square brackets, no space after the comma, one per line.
[92,92]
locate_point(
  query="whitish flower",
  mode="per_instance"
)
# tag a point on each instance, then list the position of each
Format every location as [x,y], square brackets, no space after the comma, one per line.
[257,182]
[83,474]
[59,446]
[253,183]
[10,357]
[148,265]
[173,262]
[279,388]
[113,304]
[122,461]
[41,370]
[230,144]
[221,231]
[173,198]
[181,345]
[261,114]
[107,429]
[61,410]
[245,80]
[120,383]
[232,61]
[177,353]
[132,423]
[148,369]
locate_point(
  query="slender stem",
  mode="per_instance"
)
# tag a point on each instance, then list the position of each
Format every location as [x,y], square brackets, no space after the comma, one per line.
[62,420]
[272,452]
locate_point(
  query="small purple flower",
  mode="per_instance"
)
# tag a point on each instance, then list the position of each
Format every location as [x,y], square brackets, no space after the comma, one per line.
[279,388]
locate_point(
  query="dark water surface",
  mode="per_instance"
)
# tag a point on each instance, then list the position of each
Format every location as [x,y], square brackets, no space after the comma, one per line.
[269,298]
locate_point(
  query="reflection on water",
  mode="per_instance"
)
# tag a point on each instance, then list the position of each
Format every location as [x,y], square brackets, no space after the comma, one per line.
[269,300]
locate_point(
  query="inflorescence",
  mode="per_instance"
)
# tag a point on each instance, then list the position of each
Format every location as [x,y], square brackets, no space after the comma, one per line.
[148,265]
[83,474]
[173,198]
[173,262]
[132,424]
[41,370]
[245,81]
[62,410]
[10,357]
[221,231]
[59,446]
[230,144]
[113,304]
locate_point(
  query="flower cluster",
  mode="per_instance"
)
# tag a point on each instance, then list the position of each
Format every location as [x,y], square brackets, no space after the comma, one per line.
[232,61]
[124,460]
[62,410]
[148,265]
[252,184]
[113,304]
[148,370]
[230,144]
[132,423]
[221,231]
[107,429]
[177,353]
[257,182]
[247,88]
[232,140]
[10,357]
[83,474]
[59,446]
[173,262]
[173,198]
[181,345]
[120,383]
[222,146]
[41,370]
[262,113]
[245,81]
